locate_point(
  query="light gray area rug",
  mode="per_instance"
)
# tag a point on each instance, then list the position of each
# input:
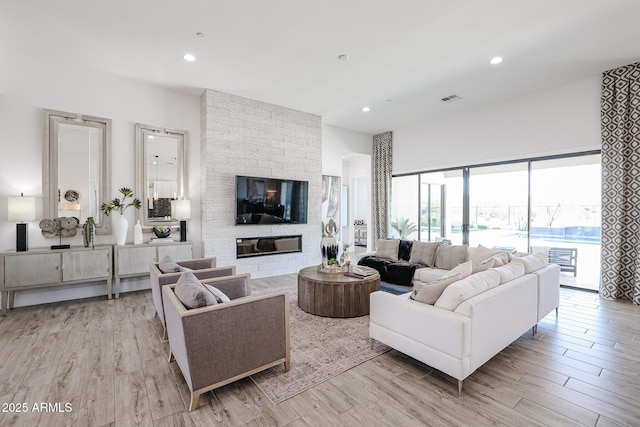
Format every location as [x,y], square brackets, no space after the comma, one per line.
[321,348]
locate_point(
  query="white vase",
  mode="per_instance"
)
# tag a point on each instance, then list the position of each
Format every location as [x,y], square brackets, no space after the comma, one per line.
[137,234]
[120,227]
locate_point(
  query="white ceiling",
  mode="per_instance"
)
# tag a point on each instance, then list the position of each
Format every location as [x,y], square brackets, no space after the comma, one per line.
[404,55]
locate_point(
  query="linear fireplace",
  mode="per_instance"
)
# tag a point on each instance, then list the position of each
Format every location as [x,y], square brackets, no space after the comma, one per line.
[268,245]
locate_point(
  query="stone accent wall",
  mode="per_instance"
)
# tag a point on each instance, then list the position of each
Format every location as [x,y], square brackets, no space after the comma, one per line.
[241,136]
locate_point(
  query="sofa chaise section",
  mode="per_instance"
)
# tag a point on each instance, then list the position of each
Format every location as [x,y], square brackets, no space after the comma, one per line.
[456,342]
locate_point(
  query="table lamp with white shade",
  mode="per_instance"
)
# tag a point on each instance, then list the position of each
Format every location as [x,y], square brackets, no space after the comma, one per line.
[181,210]
[20,209]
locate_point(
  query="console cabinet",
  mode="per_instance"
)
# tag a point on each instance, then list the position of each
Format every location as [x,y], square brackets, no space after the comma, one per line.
[135,260]
[48,268]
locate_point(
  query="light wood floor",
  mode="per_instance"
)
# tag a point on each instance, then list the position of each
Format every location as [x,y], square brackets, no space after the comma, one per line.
[107,360]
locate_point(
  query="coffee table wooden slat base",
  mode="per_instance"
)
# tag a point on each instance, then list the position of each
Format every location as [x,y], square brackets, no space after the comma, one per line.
[335,295]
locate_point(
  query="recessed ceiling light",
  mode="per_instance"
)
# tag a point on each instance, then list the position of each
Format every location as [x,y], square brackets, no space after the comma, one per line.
[188,57]
[495,60]
[343,57]
[366,109]
[200,34]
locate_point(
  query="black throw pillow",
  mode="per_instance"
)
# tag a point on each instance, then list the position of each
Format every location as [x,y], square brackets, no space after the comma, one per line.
[404,250]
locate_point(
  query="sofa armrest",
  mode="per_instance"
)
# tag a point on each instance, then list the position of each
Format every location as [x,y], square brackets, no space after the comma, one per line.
[234,286]
[548,289]
[442,330]
[215,343]
[357,256]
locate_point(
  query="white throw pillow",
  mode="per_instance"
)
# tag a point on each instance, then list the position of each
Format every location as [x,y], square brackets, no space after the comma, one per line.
[217,293]
[388,249]
[449,256]
[464,289]
[424,253]
[483,253]
[429,293]
[465,269]
[533,262]
[510,272]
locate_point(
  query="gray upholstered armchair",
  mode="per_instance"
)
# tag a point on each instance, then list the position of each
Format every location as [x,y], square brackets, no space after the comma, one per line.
[203,268]
[222,343]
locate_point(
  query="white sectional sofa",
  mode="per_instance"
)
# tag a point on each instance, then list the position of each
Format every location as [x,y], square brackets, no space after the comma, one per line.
[459,337]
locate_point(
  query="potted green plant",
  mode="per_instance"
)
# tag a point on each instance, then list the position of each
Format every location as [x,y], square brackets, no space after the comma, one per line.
[120,206]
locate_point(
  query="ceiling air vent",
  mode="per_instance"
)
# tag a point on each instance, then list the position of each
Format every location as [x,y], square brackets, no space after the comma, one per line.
[451,98]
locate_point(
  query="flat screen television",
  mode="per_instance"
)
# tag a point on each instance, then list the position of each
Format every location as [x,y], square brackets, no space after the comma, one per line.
[270,201]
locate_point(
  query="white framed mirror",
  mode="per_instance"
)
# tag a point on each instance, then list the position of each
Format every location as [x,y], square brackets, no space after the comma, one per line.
[76,167]
[161,173]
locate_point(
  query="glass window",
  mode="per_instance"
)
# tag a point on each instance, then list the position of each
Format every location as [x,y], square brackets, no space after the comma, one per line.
[498,204]
[404,208]
[565,214]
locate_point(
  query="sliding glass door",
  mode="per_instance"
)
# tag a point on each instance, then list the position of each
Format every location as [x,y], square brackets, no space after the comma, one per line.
[565,215]
[498,201]
[548,204]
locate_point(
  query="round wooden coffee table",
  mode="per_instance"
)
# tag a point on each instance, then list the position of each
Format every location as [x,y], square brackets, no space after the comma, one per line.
[334,294]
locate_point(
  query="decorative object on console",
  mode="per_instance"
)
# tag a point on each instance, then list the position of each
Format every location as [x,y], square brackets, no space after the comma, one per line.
[89,232]
[20,209]
[120,205]
[161,231]
[137,234]
[181,210]
[60,227]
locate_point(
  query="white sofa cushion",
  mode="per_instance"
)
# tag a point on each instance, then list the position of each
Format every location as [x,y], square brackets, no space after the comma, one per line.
[449,256]
[483,266]
[428,274]
[465,269]
[388,248]
[483,253]
[429,293]
[510,272]
[424,253]
[533,262]
[464,289]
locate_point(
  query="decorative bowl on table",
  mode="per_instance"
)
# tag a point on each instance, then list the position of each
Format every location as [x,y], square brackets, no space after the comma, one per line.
[161,231]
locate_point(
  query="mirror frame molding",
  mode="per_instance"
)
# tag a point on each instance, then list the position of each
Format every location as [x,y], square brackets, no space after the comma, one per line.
[142,172]
[51,118]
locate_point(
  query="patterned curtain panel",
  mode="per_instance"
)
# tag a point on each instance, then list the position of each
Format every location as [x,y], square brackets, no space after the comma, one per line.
[620,115]
[381,169]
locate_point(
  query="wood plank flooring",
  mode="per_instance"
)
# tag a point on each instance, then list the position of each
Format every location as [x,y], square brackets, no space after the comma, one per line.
[106,360]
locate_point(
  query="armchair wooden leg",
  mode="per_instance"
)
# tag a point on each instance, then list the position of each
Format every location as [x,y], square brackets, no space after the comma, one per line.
[195,397]
[165,334]
[171,357]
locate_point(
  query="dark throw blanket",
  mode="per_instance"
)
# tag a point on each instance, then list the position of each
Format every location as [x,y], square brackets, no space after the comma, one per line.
[397,272]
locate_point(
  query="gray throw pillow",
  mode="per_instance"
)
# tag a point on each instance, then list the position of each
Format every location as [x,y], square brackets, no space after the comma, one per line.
[388,249]
[192,293]
[424,253]
[429,293]
[167,265]
[449,256]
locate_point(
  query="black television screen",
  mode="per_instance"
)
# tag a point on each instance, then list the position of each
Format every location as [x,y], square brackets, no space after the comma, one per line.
[270,201]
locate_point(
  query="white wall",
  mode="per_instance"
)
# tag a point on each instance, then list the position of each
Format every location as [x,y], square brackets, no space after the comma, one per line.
[242,136]
[347,154]
[27,86]
[565,119]
[338,143]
